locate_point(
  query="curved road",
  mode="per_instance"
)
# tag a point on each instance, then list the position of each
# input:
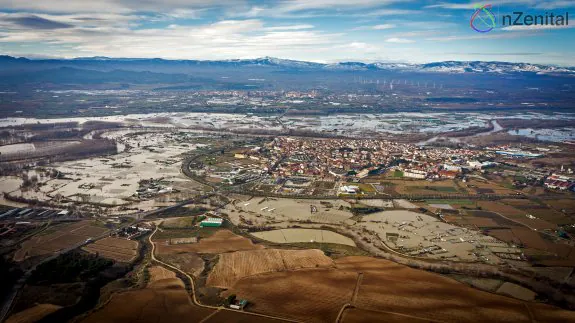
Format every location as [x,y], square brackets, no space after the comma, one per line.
[193,288]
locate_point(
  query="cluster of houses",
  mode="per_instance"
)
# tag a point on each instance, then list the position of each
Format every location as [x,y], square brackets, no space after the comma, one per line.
[446,171]
[560,182]
[336,158]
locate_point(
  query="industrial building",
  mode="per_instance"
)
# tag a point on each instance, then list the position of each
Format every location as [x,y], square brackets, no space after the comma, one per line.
[212,222]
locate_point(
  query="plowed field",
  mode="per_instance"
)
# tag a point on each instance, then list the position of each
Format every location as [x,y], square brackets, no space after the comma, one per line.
[114,248]
[233,266]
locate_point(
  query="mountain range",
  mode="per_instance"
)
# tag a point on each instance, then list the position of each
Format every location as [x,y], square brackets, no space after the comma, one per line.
[453,67]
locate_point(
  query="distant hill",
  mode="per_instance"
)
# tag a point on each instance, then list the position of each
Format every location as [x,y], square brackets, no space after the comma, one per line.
[285,64]
[82,76]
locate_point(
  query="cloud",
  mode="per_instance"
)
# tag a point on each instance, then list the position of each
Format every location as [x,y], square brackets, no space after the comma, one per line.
[491,35]
[220,40]
[301,5]
[376,27]
[35,22]
[399,40]
[500,54]
[532,4]
[383,26]
[555,4]
[110,6]
[290,27]
[390,12]
[472,5]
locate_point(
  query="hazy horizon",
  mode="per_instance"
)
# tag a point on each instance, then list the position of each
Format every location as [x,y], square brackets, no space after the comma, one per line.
[319,30]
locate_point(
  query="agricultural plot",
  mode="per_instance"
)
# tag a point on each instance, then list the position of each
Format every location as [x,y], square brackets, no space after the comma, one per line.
[314,295]
[566,206]
[504,216]
[400,289]
[163,300]
[516,291]
[239,317]
[378,203]
[481,187]
[501,221]
[500,208]
[189,262]
[404,204]
[304,235]
[355,315]
[219,242]
[117,249]
[546,217]
[158,273]
[538,248]
[232,267]
[427,188]
[33,314]
[180,223]
[387,292]
[60,238]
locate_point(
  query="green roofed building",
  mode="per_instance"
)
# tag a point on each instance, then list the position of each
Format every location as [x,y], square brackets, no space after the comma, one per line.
[212,222]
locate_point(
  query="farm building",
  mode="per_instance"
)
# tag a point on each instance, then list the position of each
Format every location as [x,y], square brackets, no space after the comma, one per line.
[239,304]
[211,222]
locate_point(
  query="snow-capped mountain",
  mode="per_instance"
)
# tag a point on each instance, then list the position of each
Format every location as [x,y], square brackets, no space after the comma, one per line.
[287,64]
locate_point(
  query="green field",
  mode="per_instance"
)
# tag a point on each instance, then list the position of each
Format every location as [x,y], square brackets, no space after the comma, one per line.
[367,188]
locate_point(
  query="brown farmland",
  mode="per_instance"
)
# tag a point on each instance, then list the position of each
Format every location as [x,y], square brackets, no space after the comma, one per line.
[163,300]
[221,241]
[114,248]
[64,237]
[397,292]
[33,314]
[233,266]
[189,262]
[314,295]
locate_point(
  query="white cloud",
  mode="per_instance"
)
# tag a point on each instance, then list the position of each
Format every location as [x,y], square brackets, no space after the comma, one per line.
[115,6]
[472,5]
[376,27]
[299,5]
[290,27]
[399,40]
[390,12]
[556,4]
[221,40]
[383,26]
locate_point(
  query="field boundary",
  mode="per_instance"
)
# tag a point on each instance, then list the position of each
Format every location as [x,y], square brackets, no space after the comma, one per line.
[193,298]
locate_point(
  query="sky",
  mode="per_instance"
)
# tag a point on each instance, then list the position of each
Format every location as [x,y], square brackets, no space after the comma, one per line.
[311,30]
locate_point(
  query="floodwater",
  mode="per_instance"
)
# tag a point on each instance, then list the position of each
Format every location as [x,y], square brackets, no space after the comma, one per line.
[341,124]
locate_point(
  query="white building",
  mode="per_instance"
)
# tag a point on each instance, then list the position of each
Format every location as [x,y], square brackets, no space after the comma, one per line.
[349,189]
[414,173]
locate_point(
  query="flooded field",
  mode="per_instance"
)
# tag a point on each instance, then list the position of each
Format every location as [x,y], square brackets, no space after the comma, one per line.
[421,235]
[115,180]
[304,235]
[343,124]
[273,210]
